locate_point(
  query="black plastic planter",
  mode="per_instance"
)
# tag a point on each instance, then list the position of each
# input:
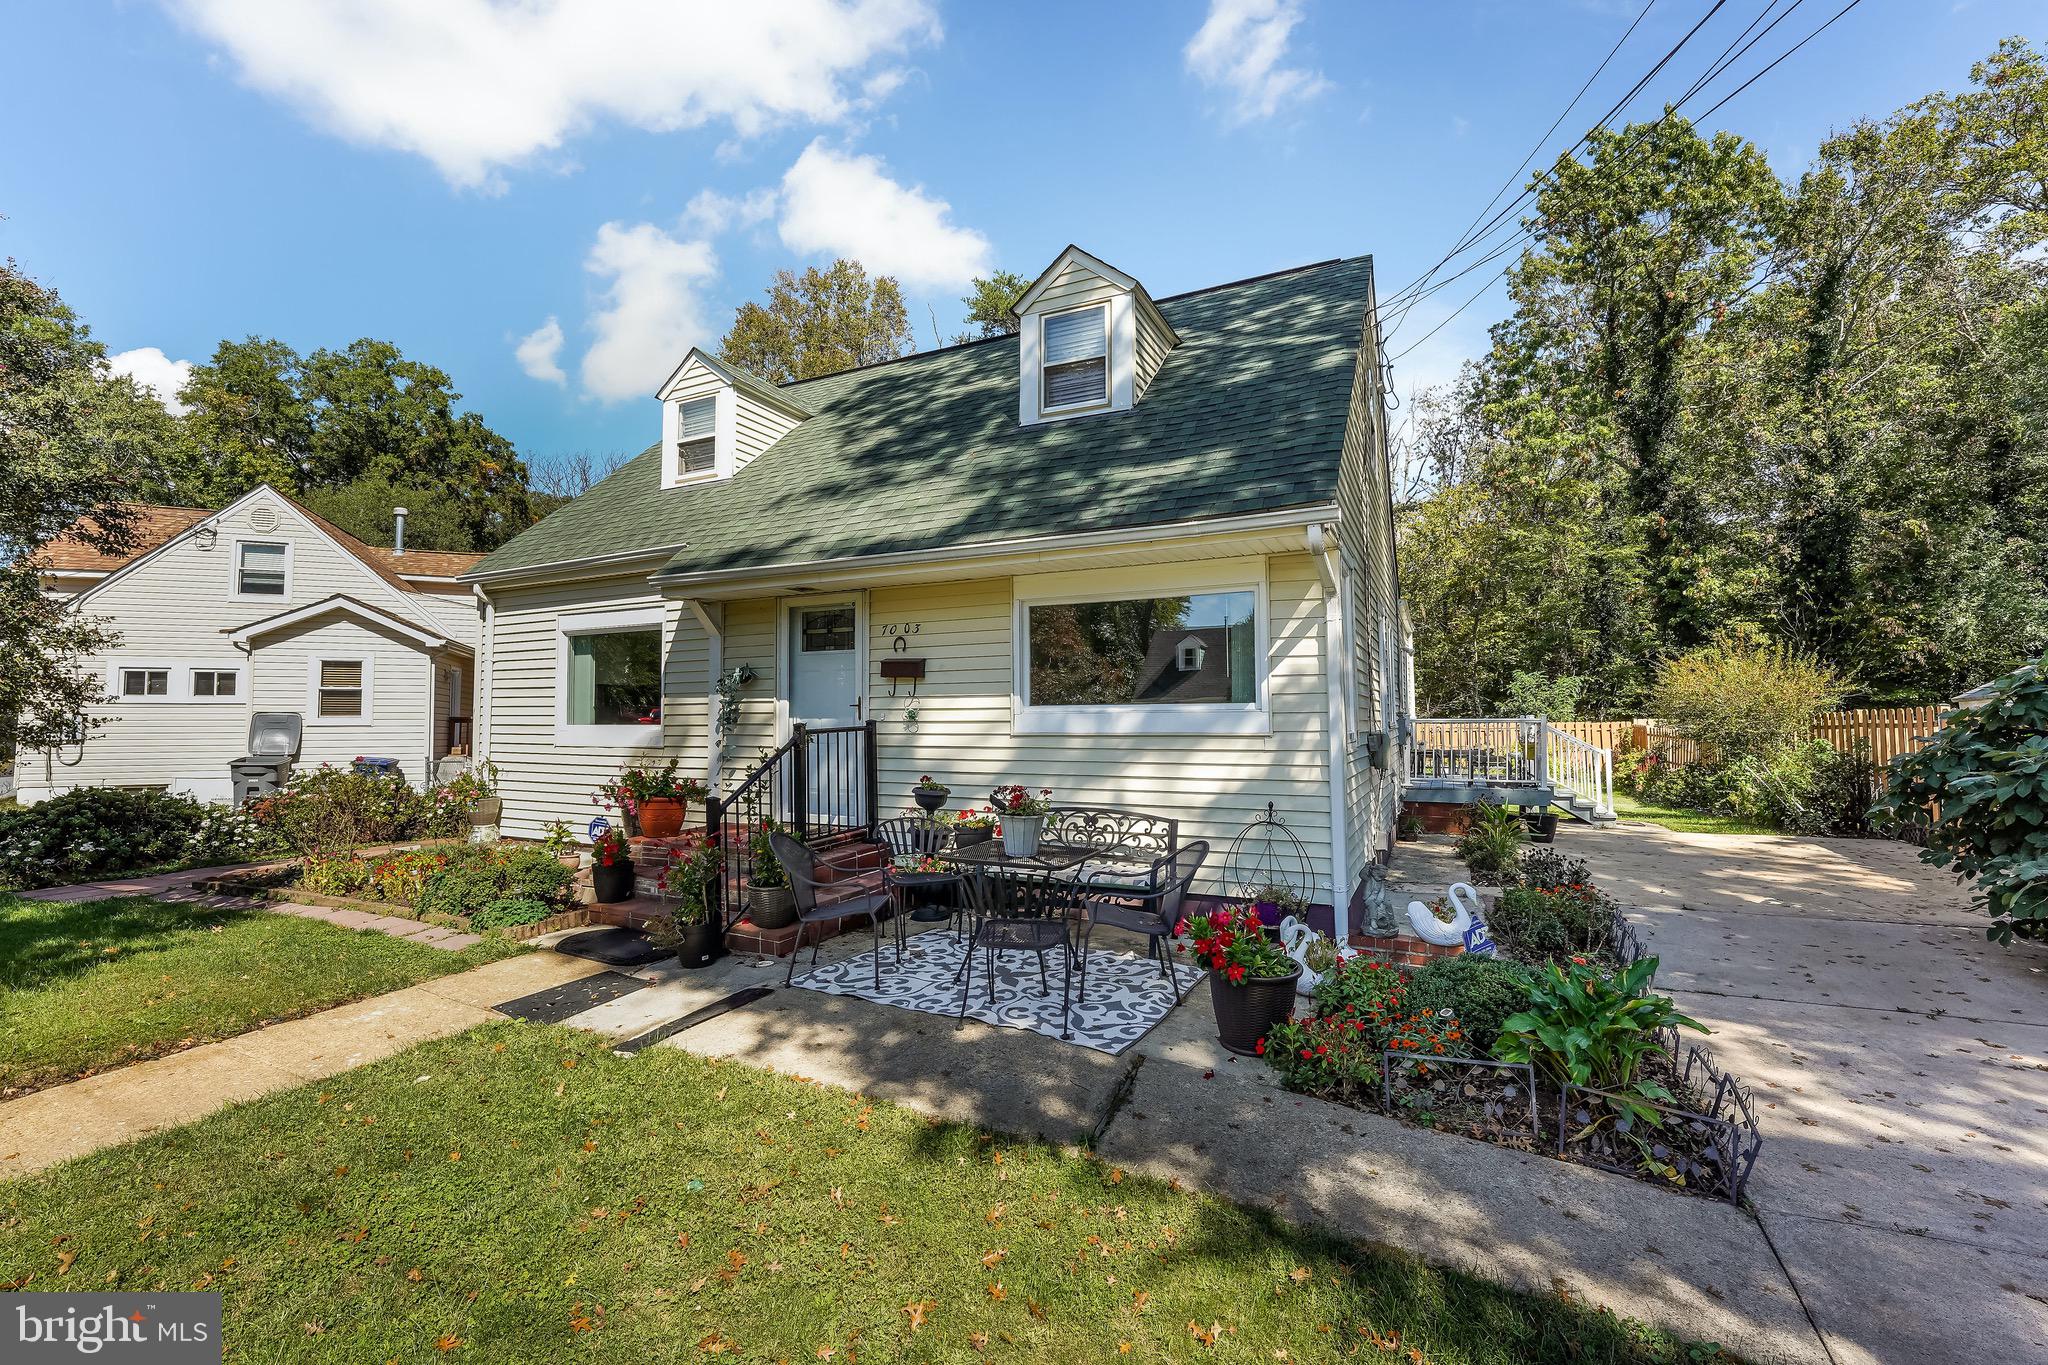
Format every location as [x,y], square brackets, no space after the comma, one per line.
[1248,1011]
[702,944]
[612,884]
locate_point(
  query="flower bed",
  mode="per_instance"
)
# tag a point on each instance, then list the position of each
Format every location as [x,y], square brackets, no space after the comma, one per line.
[501,888]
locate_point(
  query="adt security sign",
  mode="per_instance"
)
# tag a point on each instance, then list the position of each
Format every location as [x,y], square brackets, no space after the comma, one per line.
[598,826]
[1478,942]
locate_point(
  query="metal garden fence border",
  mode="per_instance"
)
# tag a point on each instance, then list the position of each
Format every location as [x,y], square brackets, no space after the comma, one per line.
[1407,1061]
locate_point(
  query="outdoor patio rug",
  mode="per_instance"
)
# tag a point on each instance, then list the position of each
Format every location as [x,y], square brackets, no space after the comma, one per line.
[1127,995]
[557,1003]
[614,947]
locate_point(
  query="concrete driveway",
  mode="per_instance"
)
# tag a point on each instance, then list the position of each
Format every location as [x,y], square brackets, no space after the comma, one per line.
[1902,1064]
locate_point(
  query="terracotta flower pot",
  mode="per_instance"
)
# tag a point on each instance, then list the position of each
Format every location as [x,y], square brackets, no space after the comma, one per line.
[1248,1010]
[662,817]
[612,884]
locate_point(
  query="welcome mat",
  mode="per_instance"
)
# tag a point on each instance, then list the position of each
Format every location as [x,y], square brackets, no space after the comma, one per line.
[1127,993]
[558,1003]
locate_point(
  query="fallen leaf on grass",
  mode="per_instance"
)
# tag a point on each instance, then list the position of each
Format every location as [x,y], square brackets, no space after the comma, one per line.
[990,1261]
[1035,1308]
[415,1275]
[918,1312]
[1299,1274]
[446,1344]
[997,1292]
[64,1260]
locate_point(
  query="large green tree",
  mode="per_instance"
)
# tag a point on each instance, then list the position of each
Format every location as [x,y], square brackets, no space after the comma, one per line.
[819,322]
[989,302]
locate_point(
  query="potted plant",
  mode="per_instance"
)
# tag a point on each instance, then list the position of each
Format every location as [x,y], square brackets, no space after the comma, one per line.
[1276,902]
[1542,825]
[1251,978]
[1022,813]
[655,802]
[691,932]
[930,793]
[611,868]
[475,789]
[1408,828]
[973,827]
[771,901]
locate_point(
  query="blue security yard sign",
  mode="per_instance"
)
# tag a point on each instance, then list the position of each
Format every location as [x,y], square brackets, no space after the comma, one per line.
[598,826]
[1478,942]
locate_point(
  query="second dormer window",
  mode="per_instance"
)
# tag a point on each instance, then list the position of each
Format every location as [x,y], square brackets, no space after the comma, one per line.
[1076,358]
[696,439]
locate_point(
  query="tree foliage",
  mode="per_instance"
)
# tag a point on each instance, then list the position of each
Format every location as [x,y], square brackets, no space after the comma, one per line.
[1739,700]
[1814,413]
[989,302]
[817,323]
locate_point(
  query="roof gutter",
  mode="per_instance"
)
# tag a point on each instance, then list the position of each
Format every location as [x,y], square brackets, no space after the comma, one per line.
[1286,519]
[590,566]
[1322,549]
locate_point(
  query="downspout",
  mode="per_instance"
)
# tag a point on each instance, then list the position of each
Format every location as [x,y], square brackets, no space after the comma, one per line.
[480,685]
[1320,550]
[711,617]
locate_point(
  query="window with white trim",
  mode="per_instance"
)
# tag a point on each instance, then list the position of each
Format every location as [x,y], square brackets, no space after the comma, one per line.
[614,678]
[341,690]
[262,568]
[1074,364]
[145,682]
[215,684]
[697,436]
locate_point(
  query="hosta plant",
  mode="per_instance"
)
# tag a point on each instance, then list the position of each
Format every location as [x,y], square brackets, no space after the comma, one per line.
[1595,1031]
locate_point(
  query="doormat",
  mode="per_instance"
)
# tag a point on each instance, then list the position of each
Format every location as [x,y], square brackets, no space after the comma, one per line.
[614,947]
[1127,994]
[736,1000]
[558,1003]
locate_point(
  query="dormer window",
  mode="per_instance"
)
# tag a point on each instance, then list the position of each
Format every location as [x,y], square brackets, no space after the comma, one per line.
[1076,364]
[697,436]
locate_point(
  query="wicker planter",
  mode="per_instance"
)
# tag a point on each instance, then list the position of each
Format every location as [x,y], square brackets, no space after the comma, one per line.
[486,810]
[702,944]
[771,907]
[612,884]
[661,817]
[1021,834]
[1247,1011]
[967,836]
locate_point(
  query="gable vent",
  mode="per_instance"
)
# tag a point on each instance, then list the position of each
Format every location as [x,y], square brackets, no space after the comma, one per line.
[263,518]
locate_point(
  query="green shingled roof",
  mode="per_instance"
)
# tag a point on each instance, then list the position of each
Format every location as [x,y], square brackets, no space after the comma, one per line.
[1246,415]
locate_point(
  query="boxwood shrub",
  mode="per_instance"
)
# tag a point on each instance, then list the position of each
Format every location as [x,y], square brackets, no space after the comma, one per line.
[1479,992]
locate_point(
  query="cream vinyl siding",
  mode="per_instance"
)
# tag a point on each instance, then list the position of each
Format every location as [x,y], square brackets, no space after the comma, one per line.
[398,691]
[176,604]
[1366,548]
[1215,784]
[542,780]
[1153,344]
[756,426]
[743,429]
[453,614]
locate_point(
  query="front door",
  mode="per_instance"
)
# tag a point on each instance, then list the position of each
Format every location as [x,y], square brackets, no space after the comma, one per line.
[825,694]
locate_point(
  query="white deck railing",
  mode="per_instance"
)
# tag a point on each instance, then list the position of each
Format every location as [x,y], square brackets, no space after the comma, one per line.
[1520,751]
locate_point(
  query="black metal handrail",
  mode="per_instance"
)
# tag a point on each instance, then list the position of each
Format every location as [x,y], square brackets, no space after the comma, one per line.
[821,785]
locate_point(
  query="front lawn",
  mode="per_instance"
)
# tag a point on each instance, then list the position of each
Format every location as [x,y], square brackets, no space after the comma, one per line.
[1684,821]
[519,1193]
[95,984]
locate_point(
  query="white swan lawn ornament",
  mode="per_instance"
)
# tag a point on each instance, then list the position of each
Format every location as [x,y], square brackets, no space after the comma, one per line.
[1296,939]
[1464,901]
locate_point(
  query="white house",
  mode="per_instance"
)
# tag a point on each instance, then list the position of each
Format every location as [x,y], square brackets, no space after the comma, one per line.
[977,550]
[261,606]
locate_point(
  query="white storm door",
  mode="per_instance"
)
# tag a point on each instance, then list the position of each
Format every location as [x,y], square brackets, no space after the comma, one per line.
[825,693]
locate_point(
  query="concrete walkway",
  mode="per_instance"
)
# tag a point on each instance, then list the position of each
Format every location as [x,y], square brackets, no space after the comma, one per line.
[129,1102]
[163,885]
[1902,1064]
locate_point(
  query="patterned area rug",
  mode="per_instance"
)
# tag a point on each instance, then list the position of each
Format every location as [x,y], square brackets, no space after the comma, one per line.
[1127,993]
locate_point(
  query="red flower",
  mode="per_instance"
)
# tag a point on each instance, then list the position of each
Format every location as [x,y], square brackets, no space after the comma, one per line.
[1236,973]
[1260,1047]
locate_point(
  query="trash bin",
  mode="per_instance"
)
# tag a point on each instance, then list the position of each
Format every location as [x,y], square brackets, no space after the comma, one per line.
[371,766]
[273,744]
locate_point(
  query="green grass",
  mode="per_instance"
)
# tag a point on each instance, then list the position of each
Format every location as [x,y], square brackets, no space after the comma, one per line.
[97,984]
[520,1194]
[1684,821]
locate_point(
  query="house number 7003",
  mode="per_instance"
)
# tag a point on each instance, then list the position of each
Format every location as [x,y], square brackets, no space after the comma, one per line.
[903,628]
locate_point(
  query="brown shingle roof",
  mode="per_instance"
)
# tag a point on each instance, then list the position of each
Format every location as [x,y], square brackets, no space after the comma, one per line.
[153,526]
[427,563]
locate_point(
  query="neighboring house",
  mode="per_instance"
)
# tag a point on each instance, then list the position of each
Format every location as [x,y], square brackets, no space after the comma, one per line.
[261,606]
[1140,552]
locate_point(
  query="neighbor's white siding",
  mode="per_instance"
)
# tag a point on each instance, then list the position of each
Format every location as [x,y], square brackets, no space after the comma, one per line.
[542,780]
[453,614]
[175,608]
[401,687]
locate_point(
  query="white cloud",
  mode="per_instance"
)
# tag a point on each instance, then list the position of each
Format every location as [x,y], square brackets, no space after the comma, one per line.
[711,213]
[538,352]
[155,371]
[1239,49]
[476,86]
[653,309]
[842,204]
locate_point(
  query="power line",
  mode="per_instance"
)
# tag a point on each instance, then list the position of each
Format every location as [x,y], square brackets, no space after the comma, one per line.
[1829,23]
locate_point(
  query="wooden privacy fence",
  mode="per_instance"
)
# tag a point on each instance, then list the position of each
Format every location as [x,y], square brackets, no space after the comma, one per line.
[1890,730]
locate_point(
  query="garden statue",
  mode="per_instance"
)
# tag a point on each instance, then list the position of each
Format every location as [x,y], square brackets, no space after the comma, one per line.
[1316,954]
[1379,908]
[1466,927]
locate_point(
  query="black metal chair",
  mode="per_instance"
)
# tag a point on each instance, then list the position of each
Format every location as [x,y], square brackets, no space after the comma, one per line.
[823,902]
[1021,912]
[1155,914]
[919,836]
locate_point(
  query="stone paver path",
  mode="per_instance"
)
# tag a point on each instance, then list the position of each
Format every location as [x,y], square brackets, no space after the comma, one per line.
[1902,1065]
[118,1106]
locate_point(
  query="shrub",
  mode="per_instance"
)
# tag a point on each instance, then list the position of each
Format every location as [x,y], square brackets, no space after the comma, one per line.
[510,912]
[1739,699]
[1479,992]
[335,874]
[97,832]
[1545,865]
[1807,788]
[1491,843]
[327,809]
[1539,925]
[471,877]
[1362,988]
[1978,795]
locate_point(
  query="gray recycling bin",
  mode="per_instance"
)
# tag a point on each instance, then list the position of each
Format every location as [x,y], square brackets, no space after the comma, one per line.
[273,744]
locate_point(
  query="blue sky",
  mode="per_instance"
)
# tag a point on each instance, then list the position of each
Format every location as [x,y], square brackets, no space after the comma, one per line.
[552,202]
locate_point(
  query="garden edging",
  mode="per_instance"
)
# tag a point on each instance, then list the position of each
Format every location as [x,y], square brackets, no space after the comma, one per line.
[574,918]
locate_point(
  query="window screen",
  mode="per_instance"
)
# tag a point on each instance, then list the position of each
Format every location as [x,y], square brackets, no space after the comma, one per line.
[696,432]
[341,688]
[1076,358]
[260,571]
